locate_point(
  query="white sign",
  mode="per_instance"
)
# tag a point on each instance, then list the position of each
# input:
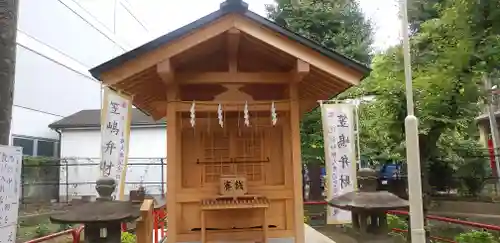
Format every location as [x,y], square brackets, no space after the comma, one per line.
[10,188]
[340,159]
[115,132]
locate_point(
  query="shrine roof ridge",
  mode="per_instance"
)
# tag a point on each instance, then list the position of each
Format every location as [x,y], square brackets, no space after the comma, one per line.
[230,6]
[92,119]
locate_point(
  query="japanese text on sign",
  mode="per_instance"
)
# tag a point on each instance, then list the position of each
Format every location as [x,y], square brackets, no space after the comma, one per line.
[114,136]
[338,133]
[10,188]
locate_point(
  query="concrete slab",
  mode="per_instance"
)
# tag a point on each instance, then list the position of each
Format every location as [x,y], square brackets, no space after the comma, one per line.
[314,236]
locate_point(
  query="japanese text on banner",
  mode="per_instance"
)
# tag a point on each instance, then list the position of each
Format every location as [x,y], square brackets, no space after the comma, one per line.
[114,137]
[339,139]
[10,188]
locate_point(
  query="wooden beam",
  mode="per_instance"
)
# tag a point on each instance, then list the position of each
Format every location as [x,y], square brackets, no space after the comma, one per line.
[173,162]
[165,71]
[233,43]
[296,161]
[227,106]
[301,70]
[300,51]
[220,26]
[171,49]
[233,78]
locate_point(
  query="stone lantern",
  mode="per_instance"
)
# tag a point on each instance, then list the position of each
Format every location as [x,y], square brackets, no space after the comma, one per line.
[368,209]
[103,217]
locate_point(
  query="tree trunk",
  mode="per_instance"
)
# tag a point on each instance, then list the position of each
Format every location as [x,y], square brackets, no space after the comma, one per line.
[427,147]
[8,33]
[315,189]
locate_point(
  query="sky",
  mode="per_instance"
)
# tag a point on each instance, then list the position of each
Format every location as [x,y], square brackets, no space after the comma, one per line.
[163,16]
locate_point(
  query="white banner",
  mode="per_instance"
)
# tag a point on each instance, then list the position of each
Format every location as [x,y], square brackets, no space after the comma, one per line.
[115,133]
[10,190]
[340,156]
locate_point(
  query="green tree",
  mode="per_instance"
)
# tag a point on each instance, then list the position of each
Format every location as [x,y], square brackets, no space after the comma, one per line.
[450,52]
[419,11]
[452,49]
[336,24]
[339,25]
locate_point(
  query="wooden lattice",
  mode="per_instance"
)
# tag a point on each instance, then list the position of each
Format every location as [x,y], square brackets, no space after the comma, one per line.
[233,152]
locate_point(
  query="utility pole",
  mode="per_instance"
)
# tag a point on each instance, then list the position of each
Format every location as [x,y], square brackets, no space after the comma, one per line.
[8,34]
[493,123]
[412,143]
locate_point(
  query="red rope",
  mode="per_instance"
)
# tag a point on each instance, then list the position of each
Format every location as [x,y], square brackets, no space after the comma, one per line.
[75,233]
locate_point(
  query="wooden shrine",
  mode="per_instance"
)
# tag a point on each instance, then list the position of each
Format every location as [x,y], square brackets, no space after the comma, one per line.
[232,87]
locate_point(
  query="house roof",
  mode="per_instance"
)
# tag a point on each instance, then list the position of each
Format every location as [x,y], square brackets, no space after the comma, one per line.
[227,7]
[92,119]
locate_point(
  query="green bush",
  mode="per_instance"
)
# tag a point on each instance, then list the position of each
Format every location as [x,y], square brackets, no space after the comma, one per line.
[42,230]
[396,222]
[476,237]
[128,237]
[63,227]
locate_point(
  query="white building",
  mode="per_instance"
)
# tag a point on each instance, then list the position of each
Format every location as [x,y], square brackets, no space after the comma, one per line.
[81,148]
[58,42]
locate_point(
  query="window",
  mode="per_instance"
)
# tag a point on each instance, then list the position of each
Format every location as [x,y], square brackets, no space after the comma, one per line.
[45,148]
[26,144]
[36,147]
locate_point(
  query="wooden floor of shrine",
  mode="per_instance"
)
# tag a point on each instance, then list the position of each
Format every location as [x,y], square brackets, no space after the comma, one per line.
[319,235]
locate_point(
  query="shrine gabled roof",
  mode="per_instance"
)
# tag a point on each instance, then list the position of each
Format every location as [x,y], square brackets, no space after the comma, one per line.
[228,7]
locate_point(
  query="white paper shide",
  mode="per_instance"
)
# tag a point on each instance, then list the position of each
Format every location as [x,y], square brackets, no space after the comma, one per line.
[114,136]
[10,188]
[340,159]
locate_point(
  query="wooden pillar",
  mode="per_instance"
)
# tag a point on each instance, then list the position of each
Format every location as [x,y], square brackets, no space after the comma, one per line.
[172,163]
[298,202]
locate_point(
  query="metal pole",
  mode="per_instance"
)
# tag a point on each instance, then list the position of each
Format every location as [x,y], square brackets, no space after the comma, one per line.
[67,181]
[412,146]
[493,124]
[356,113]
[162,180]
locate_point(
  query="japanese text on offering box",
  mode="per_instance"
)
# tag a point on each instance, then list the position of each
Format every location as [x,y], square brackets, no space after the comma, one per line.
[114,135]
[10,188]
[339,139]
[234,186]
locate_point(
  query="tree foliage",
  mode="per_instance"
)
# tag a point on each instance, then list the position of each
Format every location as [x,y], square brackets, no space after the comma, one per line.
[419,11]
[454,45]
[337,24]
